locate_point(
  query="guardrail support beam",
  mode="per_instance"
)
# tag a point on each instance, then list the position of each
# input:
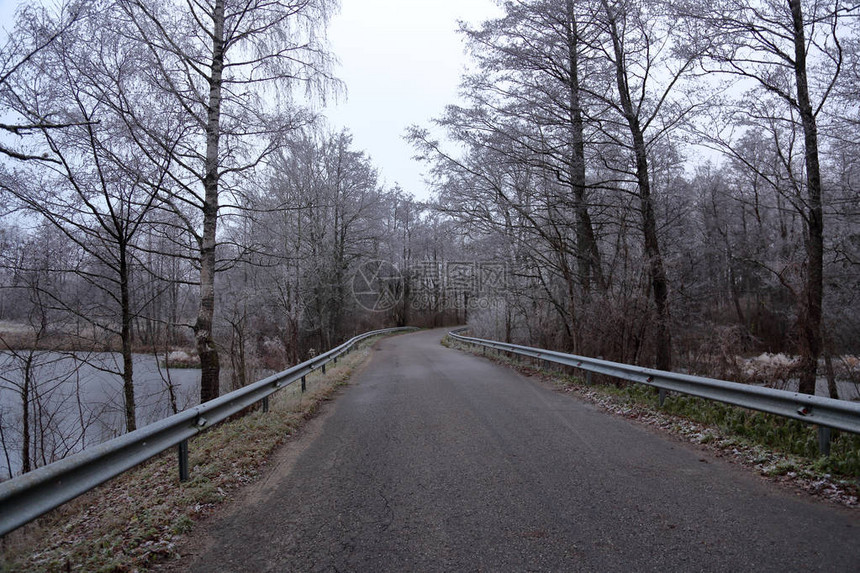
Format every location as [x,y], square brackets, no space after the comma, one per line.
[824,440]
[304,385]
[182,450]
[265,404]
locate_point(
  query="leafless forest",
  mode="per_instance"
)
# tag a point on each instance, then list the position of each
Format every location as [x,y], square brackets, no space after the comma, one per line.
[672,184]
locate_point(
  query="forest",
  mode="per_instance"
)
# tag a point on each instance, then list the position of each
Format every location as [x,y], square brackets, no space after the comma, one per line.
[671,184]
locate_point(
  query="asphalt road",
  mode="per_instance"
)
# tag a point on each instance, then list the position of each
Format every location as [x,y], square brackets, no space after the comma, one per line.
[434,460]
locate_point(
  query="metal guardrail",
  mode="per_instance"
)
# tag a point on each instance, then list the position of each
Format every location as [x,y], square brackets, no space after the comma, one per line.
[28,496]
[826,412]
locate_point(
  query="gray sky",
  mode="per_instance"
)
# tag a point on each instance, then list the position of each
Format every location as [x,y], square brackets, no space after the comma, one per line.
[7,9]
[401,62]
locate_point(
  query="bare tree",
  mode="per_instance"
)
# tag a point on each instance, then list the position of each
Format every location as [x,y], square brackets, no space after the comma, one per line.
[792,50]
[323,214]
[32,367]
[490,194]
[220,65]
[18,51]
[534,68]
[94,189]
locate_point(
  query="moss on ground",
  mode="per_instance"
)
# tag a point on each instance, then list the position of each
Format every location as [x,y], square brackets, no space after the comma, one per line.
[784,435]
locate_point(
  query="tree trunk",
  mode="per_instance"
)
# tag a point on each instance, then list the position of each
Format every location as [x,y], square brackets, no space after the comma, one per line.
[206,349]
[832,388]
[127,358]
[810,314]
[237,353]
[25,415]
[656,270]
[588,256]
[571,326]
[508,322]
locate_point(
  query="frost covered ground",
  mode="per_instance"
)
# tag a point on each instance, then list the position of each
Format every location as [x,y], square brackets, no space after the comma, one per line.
[781,371]
[777,467]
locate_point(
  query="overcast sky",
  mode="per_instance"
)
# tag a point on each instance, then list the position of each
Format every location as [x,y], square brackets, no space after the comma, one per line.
[401,62]
[7,11]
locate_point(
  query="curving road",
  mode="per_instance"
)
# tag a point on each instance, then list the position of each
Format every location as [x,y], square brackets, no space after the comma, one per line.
[435,460]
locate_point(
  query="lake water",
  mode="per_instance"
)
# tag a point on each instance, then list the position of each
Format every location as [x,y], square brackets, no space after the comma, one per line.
[77,401]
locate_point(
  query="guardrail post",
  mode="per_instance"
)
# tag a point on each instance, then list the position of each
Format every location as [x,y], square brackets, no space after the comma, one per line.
[824,440]
[662,396]
[323,368]
[588,377]
[182,449]
[265,404]
[304,386]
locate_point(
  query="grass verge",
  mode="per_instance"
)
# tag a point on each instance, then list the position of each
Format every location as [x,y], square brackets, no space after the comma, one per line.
[778,448]
[136,519]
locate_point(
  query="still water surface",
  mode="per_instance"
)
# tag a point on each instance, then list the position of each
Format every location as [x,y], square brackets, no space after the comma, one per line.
[77,401]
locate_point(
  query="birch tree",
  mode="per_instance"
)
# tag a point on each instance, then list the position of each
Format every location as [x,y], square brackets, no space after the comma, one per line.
[17,51]
[225,69]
